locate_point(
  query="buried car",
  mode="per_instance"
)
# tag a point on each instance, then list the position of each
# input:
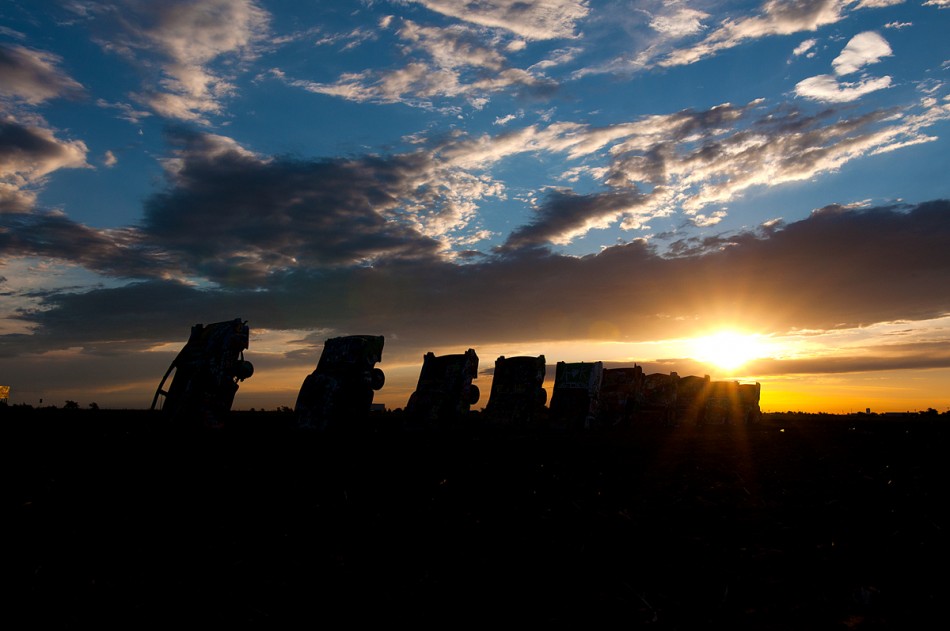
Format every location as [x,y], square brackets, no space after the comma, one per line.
[621,395]
[517,395]
[206,374]
[340,389]
[445,391]
[576,397]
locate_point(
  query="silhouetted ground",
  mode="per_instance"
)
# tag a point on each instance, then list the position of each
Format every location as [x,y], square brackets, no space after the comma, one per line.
[794,523]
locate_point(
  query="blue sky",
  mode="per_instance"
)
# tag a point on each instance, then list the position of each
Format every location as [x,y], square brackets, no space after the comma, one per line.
[589,180]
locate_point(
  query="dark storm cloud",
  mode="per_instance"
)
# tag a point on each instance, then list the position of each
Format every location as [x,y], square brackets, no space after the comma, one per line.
[839,268]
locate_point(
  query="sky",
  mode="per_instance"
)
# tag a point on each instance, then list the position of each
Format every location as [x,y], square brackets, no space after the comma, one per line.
[756,191]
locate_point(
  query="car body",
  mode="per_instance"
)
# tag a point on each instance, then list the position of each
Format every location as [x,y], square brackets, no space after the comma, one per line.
[207,371]
[339,392]
[576,397]
[517,395]
[621,395]
[445,392]
[731,402]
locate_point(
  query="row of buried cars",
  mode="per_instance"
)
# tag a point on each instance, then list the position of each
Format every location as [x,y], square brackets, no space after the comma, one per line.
[339,392]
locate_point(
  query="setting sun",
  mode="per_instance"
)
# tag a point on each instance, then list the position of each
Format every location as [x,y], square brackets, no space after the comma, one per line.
[728,350]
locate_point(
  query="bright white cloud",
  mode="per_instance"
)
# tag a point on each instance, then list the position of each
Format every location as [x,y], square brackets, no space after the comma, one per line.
[863,49]
[827,88]
[804,47]
[776,17]
[681,22]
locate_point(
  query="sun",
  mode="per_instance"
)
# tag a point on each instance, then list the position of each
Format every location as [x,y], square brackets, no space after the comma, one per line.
[728,350]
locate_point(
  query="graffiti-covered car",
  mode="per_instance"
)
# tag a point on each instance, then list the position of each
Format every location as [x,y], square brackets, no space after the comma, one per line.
[340,390]
[731,402]
[658,403]
[207,371]
[445,392]
[576,397]
[517,394]
[621,395]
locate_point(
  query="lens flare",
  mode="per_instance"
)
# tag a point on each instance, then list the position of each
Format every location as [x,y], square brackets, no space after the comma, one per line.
[729,350]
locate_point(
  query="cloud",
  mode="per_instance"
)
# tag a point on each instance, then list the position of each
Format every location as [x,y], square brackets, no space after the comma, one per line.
[237,218]
[828,89]
[804,47]
[565,215]
[109,159]
[775,17]
[33,77]
[680,22]
[29,151]
[545,19]
[862,50]
[442,63]
[125,111]
[184,38]
[854,256]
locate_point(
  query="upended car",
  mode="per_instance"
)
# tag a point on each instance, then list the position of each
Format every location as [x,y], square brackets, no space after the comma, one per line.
[445,392]
[207,371]
[575,402]
[517,394]
[338,394]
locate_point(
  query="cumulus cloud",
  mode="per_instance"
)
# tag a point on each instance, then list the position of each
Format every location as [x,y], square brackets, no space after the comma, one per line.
[545,19]
[184,39]
[862,50]
[33,76]
[827,88]
[29,151]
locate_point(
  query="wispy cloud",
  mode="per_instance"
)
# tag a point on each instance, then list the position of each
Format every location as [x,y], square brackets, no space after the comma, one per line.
[33,76]
[442,63]
[183,39]
[545,19]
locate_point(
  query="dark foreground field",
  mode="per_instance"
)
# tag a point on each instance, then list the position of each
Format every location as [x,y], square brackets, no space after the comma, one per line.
[794,523]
